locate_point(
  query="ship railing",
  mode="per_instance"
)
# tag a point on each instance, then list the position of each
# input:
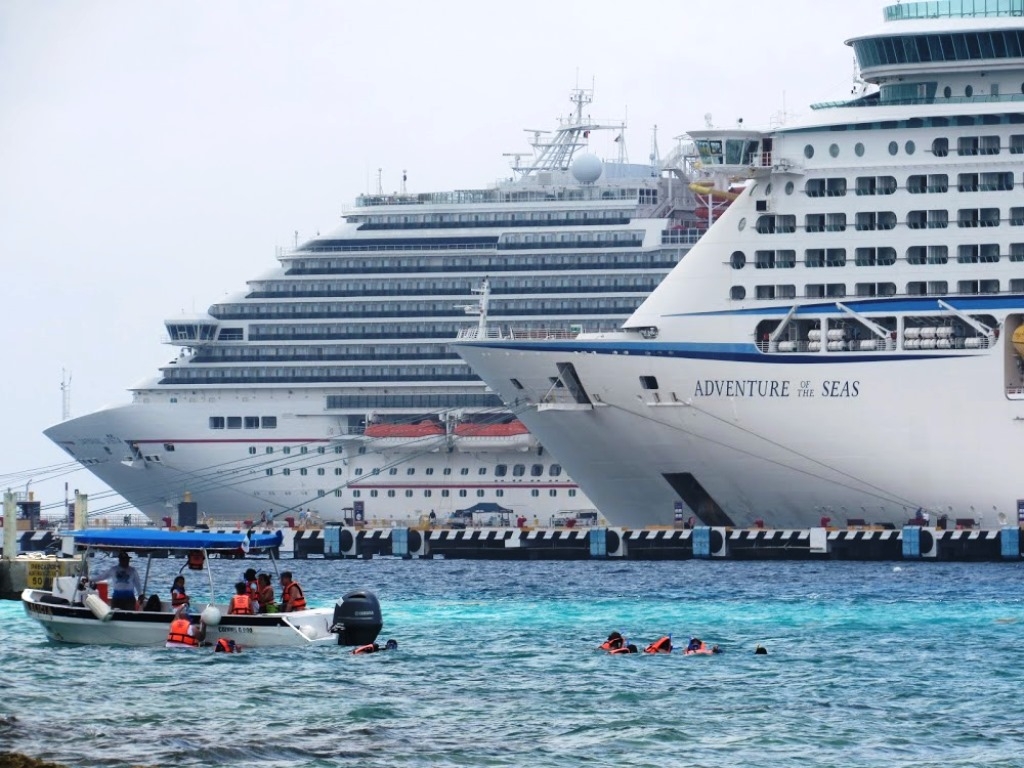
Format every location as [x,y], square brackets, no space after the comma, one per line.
[508,333]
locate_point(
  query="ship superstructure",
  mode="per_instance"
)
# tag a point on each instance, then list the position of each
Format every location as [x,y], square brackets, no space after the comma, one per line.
[847,341]
[329,387]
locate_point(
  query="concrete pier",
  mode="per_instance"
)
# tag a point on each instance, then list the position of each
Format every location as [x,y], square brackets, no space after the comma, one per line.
[856,543]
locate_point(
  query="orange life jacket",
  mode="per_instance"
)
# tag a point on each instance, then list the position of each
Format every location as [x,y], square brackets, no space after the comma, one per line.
[179,598]
[226,646]
[701,649]
[240,604]
[613,643]
[623,649]
[368,648]
[295,603]
[179,633]
[196,560]
[661,645]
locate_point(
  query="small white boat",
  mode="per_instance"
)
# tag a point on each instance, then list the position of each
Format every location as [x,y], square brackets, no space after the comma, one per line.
[70,614]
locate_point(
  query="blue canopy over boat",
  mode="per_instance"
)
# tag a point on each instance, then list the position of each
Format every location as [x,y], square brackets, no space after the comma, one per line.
[138,539]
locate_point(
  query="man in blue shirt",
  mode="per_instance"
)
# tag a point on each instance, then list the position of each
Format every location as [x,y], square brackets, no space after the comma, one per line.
[124,583]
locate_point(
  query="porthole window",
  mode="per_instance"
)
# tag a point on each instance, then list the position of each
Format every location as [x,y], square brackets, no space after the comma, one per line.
[834,150]
[969,91]
[909,147]
[858,149]
[789,187]
[947,91]
[737,293]
[738,260]
[893,147]
[742,225]
[809,151]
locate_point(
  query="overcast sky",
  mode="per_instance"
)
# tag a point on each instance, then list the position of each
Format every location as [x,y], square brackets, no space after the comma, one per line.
[153,155]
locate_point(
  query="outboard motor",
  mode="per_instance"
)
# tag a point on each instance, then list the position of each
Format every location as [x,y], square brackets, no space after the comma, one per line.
[357,618]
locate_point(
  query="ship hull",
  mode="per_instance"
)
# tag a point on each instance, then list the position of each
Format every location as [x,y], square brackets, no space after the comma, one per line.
[157,454]
[740,437]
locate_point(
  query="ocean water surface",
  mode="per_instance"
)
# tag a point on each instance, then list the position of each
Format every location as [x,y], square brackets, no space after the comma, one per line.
[870,664]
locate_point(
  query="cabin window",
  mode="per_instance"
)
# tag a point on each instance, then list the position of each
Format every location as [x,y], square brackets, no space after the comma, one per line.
[648,382]
[216,422]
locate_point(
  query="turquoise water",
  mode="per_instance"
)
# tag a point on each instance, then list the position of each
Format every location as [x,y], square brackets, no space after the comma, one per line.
[870,664]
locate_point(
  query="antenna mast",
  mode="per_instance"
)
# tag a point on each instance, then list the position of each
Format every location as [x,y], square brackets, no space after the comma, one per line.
[65,395]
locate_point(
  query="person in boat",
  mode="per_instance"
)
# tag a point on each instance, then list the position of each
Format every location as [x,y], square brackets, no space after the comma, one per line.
[251,585]
[628,648]
[698,646]
[241,603]
[183,633]
[292,598]
[124,584]
[226,645]
[614,642]
[265,594]
[661,645]
[179,597]
[390,645]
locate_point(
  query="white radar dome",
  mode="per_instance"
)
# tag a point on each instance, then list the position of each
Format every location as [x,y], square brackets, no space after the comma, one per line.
[586,169]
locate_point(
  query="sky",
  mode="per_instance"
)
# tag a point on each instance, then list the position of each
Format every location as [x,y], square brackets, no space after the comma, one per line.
[154,156]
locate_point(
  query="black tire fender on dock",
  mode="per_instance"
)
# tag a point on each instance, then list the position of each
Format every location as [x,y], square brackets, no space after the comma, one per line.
[611,541]
[346,539]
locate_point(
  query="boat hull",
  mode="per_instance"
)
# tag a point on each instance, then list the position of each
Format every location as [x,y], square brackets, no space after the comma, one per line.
[68,623]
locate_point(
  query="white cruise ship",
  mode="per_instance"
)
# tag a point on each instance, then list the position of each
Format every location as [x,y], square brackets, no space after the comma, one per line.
[329,387]
[847,341]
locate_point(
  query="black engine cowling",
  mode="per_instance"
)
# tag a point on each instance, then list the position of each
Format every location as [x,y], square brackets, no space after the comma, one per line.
[357,618]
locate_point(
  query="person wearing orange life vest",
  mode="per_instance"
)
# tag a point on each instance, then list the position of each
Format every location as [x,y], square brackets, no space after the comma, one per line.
[630,648]
[225,645]
[183,633]
[661,645]
[241,603]
[697,646]
[265,595]
[390,645]
[179,597]
[614,642]
[292,598]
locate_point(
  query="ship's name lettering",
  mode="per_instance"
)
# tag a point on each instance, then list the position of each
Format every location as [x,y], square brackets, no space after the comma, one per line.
[840,388]
[769,388]
[741,388]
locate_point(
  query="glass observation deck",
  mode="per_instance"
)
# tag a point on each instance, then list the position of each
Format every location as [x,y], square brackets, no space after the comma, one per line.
[954,9]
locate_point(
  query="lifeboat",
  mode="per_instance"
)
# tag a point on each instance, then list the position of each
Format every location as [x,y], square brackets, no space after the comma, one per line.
[1018,340]
[509,435]
[419,430]
[712,202]
[471,429]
